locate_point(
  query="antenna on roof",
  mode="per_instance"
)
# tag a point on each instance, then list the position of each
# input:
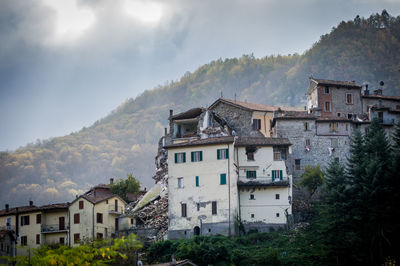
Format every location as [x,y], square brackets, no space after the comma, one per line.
[221,94]
[235,96]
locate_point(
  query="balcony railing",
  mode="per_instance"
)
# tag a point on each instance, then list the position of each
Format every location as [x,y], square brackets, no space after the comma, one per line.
[53,228]
[115,209]
[263,181]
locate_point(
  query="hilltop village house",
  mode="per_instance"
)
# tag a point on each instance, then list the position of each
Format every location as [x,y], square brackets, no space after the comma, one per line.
[234,161]
[90,216]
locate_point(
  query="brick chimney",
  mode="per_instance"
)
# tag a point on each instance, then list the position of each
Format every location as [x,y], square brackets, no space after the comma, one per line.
[111,181]
[30,203]
[171,112]
[7,207]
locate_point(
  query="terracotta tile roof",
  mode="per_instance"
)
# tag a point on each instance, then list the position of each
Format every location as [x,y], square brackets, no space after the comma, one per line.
[55,206]
[22,209]
[334,119]
[200,142]
[384,97]
[253,106]
[257,141]
[339,83]
[98,198]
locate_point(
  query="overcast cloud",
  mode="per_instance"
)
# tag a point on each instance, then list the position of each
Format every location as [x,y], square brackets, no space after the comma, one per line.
[65,64]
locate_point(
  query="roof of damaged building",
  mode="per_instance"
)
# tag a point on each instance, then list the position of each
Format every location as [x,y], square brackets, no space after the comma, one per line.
[189,114]
[384,97]
[259,141]
[334,119]
[295,115]
[98,194]
[200,142]
[4,233]
[55,206]
[252,106]
[245,141]
[339,83]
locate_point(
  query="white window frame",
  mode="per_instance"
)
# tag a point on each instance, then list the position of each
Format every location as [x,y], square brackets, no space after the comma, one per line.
[179,157]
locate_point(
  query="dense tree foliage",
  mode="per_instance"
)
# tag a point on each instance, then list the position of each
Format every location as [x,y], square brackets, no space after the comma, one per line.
[365,50]
[119,251]
[126,186]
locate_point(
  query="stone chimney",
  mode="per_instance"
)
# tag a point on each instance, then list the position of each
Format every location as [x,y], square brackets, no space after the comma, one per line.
[7,207]
[111,181]
[366,91]
[30,203]
[171,112]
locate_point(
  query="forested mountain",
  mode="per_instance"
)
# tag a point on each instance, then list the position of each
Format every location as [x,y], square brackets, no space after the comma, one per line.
[364,50]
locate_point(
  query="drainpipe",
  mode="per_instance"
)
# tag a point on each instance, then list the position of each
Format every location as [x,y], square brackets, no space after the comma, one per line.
[238,167]
[229,192]
[93,222]
[265,124]
[69,227]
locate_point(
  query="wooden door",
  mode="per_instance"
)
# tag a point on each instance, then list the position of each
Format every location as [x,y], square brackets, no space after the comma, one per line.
[61,221]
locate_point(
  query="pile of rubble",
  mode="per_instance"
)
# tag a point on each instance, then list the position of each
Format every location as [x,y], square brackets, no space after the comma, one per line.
[151,210]
[155,215]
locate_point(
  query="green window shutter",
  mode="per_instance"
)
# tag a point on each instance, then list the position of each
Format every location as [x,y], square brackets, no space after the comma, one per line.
[227,153]
[218,154]
[247,174]
[273,175]
[197,181]
[192,156]
[176,157]
[201,155]
[281,174]
[255,174]
[184,157]
[223,179]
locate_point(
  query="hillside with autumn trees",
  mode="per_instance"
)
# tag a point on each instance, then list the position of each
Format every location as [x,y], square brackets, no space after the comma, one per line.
[366,50]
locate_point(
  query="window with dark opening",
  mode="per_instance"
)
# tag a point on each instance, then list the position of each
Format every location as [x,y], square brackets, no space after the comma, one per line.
[214,208]
[99,218]
[327,90]
[327,106]
[183,210]
[297,164]
[76,238]
[81,204]
[38,218]
[256,124]
[250,153]
[277,196]
[38,239]
[76,218]
[252,196]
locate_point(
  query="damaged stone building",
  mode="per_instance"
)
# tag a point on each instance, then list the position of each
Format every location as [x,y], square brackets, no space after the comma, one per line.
[234,161]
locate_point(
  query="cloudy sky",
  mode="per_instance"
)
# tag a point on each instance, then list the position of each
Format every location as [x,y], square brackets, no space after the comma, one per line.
[66,63]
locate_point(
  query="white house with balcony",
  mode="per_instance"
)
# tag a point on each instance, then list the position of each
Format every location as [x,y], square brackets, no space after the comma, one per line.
[215,177]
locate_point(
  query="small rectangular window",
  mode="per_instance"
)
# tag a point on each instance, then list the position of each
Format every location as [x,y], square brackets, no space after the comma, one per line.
[380,117]
[277,175]
[197,181]
[214,208]
[308,142]
[197,156]
[81,204]
[397,107]
[183,210]
[222,154]
[334,127]
[99,236]
[251,174]
[277,214]
[38,239]
[222,179]
[277,196]
[327,106]
[180,157]
[334,143]
[252,197]
[76,238]
[38,218]
[62,240]
[25,220]
[349,116]
[180,182]
[338,114]
[99,218]
[256,124]
[277,155]
[24,240]
[77,218]
[297,164]
[252,215]
[198,206]
[327,91]
[347,127]
[306,126]
[349,98]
